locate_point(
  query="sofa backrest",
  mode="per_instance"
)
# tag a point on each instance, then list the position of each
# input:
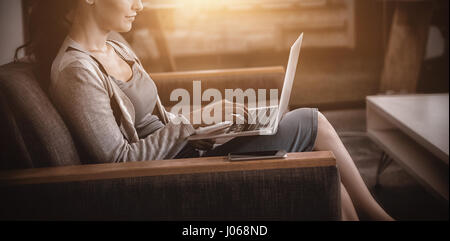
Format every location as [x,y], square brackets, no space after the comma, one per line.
[33,133]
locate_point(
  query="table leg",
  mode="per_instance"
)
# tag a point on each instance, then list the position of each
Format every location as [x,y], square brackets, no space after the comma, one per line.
[383,163]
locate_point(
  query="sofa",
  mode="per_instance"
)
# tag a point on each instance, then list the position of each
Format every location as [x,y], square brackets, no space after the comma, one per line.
[42,177]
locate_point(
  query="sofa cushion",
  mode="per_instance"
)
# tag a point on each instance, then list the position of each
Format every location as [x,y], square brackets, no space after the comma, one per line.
[35,134]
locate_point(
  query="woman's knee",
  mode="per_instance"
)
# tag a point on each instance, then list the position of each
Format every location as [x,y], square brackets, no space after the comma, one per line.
[300,114]
[321,118]
[322,123]
[324,132]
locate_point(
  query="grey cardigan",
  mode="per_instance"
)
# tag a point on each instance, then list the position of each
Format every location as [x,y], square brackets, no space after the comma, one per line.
[101,116]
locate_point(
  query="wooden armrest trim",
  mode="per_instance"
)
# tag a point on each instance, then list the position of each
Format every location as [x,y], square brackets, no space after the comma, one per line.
[161,167]
[215,73]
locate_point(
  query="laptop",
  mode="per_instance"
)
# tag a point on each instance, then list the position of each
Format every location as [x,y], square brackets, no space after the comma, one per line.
[273,114]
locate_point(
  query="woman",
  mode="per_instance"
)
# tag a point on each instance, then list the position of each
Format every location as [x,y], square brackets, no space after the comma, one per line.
[112,108]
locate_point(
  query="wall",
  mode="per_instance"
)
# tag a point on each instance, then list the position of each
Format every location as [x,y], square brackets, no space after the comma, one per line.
[341,56]
[10,28]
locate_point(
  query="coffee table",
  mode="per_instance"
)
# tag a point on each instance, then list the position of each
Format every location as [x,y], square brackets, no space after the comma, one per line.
[413,130]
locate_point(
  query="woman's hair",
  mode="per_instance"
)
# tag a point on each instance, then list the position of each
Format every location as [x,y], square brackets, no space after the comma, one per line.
[48,25]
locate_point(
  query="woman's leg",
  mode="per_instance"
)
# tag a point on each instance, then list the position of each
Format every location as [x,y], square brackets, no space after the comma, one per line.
[365,204]
[296,133]
[348,210]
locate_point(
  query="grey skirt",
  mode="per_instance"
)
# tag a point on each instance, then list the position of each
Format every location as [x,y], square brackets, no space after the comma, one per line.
[297,132]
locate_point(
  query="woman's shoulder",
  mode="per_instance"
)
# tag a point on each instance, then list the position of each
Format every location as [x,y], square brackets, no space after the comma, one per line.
[69,72]
[73,61]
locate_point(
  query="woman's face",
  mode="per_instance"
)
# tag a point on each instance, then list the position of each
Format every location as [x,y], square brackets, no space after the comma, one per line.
[116,15]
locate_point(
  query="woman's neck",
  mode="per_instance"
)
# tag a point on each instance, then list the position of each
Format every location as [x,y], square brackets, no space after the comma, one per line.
[88,33]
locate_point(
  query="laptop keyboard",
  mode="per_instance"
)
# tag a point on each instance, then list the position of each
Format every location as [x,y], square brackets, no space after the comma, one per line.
[265,120]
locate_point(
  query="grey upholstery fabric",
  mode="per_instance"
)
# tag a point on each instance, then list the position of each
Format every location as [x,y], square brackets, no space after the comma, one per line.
[13,152]
[32,130]
[277,194]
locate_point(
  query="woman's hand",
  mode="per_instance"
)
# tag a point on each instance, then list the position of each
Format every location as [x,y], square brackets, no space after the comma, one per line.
[230,111]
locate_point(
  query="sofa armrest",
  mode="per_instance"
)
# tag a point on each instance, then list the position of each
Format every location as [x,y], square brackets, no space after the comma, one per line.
[244,78]
[302,186]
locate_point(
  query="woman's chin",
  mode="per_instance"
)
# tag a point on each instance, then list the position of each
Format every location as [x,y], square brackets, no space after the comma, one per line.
[124,28]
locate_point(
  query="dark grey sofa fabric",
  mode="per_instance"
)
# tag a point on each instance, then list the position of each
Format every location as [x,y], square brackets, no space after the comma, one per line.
[32,131]
[278,194]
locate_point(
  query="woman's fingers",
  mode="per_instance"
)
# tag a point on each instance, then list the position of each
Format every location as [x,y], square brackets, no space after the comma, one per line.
[236,110]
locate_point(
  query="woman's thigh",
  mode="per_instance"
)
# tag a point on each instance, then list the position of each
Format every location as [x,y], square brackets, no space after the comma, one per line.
[297,132]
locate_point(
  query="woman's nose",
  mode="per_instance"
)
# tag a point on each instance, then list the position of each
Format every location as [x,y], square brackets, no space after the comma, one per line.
[137,5]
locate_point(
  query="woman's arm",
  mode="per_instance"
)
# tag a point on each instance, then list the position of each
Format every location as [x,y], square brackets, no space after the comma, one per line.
[84,103]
